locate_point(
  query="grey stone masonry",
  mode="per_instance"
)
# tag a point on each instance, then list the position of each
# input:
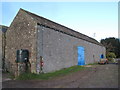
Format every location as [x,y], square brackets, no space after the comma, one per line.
[21,35]
[55,43]
[0,48]
[3,30]
[59,50]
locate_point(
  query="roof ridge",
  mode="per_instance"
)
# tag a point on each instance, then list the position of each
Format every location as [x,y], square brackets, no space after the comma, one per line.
[33,15]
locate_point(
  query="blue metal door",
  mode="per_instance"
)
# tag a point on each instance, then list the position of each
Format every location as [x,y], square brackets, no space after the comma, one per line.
[81,57]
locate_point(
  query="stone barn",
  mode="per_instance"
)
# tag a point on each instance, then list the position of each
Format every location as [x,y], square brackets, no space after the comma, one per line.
[3,30]
[0,47]
[59,46]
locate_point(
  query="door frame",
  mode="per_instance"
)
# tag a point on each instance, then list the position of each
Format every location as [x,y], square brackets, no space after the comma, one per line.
[83,54]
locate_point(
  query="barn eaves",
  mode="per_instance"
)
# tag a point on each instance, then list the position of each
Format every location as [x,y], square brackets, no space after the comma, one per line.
[58,27]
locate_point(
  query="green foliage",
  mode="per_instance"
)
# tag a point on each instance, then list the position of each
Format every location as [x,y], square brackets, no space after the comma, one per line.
[46,76]
[8,74]
[110,56]
[112,45]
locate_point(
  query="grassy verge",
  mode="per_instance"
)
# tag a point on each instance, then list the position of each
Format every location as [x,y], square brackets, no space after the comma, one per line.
[7,75]
[46,76]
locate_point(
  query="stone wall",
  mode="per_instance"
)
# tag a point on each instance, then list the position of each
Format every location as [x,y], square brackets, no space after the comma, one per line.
[0,58]
[0,48]
[21,35]
[59,50]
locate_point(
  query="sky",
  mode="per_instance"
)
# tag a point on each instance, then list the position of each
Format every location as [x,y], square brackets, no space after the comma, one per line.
[98,20]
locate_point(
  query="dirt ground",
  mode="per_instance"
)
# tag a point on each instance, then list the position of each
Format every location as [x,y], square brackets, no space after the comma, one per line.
[97,76]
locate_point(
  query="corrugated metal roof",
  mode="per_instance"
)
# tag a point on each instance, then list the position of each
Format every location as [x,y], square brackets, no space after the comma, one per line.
[48,23]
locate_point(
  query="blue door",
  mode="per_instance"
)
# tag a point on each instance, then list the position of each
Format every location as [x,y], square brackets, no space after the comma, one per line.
[101,56]
[81,57]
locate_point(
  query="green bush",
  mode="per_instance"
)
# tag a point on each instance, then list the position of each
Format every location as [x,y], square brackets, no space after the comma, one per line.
[111,55]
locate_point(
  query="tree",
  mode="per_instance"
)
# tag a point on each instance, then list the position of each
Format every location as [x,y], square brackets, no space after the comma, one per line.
[111,55]
[112,45]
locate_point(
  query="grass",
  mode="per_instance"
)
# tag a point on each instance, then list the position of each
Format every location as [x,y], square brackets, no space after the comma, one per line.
[8,74]
[46,76]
